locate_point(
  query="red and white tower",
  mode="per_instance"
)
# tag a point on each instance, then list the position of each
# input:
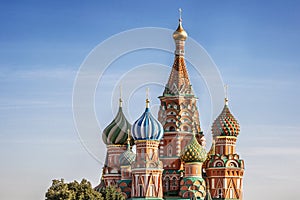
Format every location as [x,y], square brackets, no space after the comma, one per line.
[114,136]
[224,168]
[147,168]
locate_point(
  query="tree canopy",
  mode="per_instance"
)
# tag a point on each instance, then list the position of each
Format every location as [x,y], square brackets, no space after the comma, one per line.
[111,193]
[59,190]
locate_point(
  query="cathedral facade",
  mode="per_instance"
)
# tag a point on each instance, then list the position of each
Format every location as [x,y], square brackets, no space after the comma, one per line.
[170,161]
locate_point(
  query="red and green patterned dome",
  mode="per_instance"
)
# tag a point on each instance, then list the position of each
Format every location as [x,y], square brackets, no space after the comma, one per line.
[193,152]
[225,124]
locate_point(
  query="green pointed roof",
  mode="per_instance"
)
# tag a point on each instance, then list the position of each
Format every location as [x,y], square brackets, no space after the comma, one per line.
[193,152]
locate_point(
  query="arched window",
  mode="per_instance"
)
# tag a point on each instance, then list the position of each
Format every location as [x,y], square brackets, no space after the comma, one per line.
[219,193]
[172,128]
[231,193]
[151,188]
[185,128]
[170,150]
[140,190]
[167,183]
[174,181]
[142,153]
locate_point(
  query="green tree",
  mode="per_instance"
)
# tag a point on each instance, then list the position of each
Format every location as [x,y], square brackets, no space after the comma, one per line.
[112,193]
[59,190]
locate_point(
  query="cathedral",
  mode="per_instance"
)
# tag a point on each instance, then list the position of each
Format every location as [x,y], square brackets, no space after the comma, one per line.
[170,161]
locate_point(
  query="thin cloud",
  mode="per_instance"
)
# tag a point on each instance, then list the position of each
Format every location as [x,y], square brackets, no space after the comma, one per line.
[54,73]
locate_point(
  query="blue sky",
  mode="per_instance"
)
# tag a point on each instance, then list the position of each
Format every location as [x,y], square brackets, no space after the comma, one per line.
[255,45]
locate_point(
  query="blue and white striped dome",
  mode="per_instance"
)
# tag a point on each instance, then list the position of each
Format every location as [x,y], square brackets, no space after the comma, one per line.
[147,127]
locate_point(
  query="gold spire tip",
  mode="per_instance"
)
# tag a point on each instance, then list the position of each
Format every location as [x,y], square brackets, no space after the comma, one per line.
[128,137]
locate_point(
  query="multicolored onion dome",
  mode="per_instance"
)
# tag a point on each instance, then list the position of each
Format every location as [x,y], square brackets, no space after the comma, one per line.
[128,157]
[116,132]
[180,33]
[193,152]
[147,127]
[225,124]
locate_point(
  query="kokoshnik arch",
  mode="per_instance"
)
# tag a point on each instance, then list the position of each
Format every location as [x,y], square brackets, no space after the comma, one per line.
[170,160]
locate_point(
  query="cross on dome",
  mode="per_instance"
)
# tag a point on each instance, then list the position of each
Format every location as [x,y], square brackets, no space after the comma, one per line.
[180,14]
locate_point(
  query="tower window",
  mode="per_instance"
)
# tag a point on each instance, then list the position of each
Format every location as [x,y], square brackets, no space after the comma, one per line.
[172,128]
[140,190]
[185,128]
[151,190]
[231,193]
[219,193]
[170,150]
[142,153]
[167,183]
[174,181]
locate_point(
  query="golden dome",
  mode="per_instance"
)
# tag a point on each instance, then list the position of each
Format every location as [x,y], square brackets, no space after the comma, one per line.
[180,33]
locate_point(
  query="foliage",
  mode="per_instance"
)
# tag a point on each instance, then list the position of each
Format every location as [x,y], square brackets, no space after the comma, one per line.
[59,190]
[111,193]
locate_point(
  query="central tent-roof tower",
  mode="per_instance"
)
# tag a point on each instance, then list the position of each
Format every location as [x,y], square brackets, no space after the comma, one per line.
[178,113]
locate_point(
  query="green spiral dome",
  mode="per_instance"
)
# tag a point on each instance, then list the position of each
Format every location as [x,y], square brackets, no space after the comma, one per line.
[116,132]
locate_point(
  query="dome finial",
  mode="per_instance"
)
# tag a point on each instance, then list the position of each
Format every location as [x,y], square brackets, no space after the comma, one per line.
[147,98]
[120,98]
[180,33]
[128,138]
[226,94]
[180,14]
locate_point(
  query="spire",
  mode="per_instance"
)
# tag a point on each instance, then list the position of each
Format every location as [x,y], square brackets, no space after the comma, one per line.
[180,33]
[120,99]
[128,139]
[147,98]
[179,83]
[180,13]
[226,94]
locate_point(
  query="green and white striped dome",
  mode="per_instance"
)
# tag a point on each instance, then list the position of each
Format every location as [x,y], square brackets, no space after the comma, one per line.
[116,132]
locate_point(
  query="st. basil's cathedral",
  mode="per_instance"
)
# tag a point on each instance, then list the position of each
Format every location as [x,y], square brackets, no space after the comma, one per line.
[170,161]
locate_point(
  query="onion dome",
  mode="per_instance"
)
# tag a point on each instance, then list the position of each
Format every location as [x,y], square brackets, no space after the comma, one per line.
[127,157]
[193,152]
[180,33]
[116,132]
[147,127]
[225,124]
